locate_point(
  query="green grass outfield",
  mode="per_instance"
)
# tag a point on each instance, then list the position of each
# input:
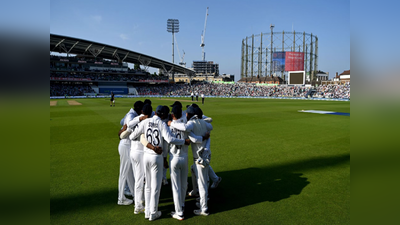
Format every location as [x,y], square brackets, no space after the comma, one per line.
[279,166]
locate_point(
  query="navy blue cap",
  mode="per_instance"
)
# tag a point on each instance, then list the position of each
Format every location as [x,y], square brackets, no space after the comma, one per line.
[177,110]
[147,110]
[166,108]
[147,101]
[178,103]
[138,105]
[162,111]
[159,109]
[190,110]
[199,112]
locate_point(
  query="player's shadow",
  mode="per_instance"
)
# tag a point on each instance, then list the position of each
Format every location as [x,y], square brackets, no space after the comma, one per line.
[241,188]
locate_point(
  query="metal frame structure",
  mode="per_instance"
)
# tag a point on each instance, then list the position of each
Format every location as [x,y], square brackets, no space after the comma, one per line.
[173,27]
[257,52]
[71,45]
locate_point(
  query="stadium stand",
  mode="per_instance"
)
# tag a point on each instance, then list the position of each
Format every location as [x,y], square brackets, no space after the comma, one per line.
[79,76]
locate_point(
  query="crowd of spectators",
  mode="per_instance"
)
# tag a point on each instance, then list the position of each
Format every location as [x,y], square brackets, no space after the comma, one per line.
[245,89]
[226,90]
[59,89]
[333,91]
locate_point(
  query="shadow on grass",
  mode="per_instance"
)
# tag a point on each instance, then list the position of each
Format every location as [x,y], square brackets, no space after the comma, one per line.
[239,188]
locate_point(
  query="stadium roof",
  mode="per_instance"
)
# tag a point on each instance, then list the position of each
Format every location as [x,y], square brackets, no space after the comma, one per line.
[71,45]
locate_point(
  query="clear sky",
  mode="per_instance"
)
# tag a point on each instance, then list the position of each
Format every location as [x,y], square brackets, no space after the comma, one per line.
[141,26]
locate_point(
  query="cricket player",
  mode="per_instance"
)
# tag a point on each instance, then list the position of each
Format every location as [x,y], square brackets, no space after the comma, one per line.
[215,179]
[156,132]
[125,170]
[202,98]
[199,128]
[136,156]
[179,165]
[112,100]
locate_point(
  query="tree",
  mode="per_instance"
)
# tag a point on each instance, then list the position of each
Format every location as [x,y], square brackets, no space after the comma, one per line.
[136,66]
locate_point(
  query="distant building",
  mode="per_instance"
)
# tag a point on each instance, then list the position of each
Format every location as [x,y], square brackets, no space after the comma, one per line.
[228,77]
[345,76]
[322,76]
[342,78]
[204,71]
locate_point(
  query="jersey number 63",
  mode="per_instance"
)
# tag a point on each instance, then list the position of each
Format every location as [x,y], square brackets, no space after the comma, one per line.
[153,136]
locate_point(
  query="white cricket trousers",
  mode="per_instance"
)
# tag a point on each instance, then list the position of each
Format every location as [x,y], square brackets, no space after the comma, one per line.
[138,172]
[179,173]
[211,175]
[153,165]
[125,169]
[202,182]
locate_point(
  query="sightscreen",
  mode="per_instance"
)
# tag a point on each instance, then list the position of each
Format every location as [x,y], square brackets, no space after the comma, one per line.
[297,77]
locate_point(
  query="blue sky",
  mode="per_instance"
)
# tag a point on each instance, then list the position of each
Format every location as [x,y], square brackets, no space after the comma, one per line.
[141,26]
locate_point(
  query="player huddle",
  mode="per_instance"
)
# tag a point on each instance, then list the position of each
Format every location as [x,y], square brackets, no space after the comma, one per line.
[146,139]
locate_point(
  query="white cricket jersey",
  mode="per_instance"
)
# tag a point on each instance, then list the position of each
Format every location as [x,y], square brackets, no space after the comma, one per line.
[183,118]
[156,131]
[199,127]
[132,125]
[128,117]
[182,150]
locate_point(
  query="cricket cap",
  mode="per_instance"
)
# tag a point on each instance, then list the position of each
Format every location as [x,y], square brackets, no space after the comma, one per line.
[178,103]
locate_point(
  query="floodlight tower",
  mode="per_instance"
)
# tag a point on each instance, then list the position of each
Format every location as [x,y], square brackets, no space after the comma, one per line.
[272,47]
[173,27]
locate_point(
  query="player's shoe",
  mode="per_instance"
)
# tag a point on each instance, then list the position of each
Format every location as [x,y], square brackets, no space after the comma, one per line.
[125,202]
[138,211]
[164,181]
[191,193]
[176,216]
[198,212]
[198,199]
[215,184]
[155,216]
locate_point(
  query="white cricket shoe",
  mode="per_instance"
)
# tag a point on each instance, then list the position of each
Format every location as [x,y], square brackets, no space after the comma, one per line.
[155,216]
[138,211]
[198,212]
[176,216]
[125,202]
[215,184]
